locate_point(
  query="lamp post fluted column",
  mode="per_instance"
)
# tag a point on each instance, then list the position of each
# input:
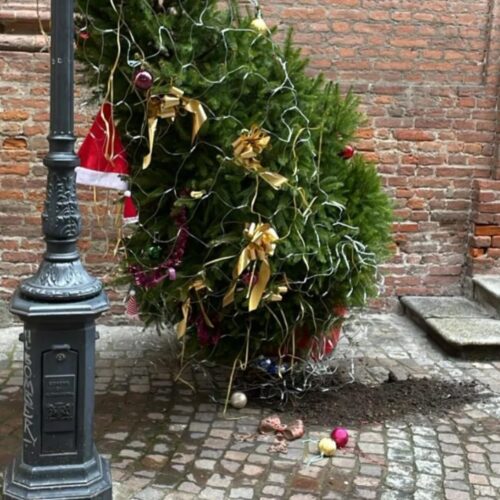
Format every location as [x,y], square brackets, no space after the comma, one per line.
[58,306]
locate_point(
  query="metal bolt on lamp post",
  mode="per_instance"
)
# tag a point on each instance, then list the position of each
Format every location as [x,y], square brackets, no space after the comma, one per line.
[58,306]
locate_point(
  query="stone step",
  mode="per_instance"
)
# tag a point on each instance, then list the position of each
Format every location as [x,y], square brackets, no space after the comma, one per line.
[459,325]
[487,292]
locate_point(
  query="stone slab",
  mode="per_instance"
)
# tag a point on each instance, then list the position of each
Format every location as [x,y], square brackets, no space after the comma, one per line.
[445,307]
[487,291]
[490,283]
[467,332]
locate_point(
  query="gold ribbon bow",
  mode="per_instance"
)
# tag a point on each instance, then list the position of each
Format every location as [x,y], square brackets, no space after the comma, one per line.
[197,286]
[262,244]
[167,106]
[246,150]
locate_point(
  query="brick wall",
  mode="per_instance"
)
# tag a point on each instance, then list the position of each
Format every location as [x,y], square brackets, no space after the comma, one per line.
[427,76]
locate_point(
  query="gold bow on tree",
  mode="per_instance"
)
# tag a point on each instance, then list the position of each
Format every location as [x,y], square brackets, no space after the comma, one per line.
[197,286]
[262,243]
[167,106]
[246,150]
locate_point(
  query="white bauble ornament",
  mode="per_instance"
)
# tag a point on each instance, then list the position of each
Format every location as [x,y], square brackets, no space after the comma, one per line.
[238,400]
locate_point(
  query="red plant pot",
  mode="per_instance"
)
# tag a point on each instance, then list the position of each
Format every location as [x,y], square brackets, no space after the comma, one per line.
[319,347]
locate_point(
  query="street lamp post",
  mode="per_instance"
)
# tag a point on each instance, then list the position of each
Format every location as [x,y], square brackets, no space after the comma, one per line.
[58,306]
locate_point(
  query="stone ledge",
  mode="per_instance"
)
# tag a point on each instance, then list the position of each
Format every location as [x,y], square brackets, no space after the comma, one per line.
[460,326]
[23,43]
[23,21]
[487,291]
[21,29]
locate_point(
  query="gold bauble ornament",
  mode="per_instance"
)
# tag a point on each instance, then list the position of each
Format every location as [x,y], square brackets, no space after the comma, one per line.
[238,400]
[259,25]
[327,447]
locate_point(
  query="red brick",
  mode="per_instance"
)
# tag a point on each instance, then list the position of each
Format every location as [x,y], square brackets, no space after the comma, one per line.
[487,230]
[489,208]
[416,203]
[14,169]
[481,241]
[494,253]
[15,143]
[14,116]
[413,135]
[406,227]
[19,257]
[486,196]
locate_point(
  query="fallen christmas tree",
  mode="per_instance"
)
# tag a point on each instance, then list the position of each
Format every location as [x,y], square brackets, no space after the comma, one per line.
[259,225]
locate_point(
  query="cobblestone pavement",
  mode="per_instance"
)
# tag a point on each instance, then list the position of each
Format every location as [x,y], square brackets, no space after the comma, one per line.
[166,443]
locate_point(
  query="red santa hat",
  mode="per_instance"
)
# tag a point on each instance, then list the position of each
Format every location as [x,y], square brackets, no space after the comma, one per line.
[130,214]
[103,160]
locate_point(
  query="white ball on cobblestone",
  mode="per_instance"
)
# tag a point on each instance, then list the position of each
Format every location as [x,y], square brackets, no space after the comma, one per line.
[238,400]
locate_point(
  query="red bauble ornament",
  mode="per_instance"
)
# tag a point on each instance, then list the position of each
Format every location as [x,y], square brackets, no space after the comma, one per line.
[143,79]
[84,35]
[340,311]
[348,152]
[341,437]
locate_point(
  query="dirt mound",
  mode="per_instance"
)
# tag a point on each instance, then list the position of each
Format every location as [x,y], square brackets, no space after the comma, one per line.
[356,403]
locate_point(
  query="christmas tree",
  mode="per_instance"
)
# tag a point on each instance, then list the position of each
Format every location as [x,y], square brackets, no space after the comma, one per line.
[258,222]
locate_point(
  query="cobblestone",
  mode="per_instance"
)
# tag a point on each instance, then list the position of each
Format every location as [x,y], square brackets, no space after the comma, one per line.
[166,443]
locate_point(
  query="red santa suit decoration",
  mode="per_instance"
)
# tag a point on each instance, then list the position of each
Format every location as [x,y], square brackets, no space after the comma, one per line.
[103,160]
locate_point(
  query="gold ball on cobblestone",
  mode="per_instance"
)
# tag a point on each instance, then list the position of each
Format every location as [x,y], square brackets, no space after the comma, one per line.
[327,447]
[238,400]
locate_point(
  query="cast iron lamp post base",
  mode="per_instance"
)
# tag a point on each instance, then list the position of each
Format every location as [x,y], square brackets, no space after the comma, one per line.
[59,459]
[88,481]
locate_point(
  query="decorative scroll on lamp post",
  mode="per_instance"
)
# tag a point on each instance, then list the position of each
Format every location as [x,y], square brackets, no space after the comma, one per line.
[58,306]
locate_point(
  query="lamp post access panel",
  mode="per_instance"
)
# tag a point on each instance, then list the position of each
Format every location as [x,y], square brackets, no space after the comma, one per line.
[59,306]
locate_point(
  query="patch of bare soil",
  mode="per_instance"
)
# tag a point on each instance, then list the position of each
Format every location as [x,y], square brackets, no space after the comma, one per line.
[357,404]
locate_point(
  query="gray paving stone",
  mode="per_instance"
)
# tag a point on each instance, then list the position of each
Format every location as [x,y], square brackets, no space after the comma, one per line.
[242,493]
[150,494]
[426,467]
[212,494]
[453,461]
[429,482]
[189,487]
[400,483]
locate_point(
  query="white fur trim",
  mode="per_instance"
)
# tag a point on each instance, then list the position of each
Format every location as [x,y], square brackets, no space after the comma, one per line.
[91,177]
[130,220]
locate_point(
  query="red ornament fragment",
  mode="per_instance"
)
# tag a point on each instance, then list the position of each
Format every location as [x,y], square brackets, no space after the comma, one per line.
[341,437]
[294,431]
[84,34]
[271,424]
[348,152]
[143,79]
